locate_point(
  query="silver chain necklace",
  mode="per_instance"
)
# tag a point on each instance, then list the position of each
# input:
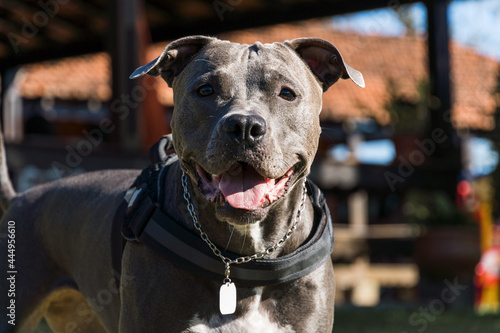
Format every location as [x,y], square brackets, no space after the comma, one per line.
[227,292]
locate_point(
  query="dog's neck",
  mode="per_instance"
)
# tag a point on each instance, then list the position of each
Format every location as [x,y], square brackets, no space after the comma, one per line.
[257,236]
[249,238]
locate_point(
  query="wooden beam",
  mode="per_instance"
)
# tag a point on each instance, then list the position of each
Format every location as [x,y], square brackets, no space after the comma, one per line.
[175,25]
[52,18]
[272,12]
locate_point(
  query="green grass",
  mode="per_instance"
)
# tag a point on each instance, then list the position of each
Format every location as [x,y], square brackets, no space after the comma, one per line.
[412,320]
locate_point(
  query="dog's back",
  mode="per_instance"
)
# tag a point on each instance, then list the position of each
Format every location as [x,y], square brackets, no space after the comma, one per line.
[57,227]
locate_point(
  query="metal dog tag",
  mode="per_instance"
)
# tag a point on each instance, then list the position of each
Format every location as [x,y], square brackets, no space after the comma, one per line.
[227,298]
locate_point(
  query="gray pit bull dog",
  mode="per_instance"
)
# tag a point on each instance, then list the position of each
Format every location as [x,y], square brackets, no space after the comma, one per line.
[246,130]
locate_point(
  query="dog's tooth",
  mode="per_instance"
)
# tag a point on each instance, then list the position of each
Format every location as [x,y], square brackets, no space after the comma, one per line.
[216,181]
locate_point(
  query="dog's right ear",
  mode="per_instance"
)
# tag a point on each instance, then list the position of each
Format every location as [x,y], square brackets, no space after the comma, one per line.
[174,57]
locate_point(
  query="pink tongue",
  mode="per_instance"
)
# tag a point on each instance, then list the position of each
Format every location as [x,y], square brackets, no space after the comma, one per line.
[243,187]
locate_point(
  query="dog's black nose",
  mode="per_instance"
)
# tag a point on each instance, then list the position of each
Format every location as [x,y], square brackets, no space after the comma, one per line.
[249,129]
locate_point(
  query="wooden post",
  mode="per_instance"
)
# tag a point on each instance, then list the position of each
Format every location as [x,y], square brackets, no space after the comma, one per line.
[139,117]
[447,154]
[125,102]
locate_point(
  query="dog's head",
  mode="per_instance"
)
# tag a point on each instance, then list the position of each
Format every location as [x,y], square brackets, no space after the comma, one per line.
[246,119]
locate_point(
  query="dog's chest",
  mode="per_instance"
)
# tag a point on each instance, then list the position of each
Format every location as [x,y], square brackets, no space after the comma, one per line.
[254,319]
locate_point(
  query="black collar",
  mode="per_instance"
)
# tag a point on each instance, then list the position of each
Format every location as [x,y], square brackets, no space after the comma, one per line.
[146,223]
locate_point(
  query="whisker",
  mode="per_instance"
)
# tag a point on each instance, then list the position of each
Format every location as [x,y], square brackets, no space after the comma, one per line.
[230,236]
[245,235]
[205,60]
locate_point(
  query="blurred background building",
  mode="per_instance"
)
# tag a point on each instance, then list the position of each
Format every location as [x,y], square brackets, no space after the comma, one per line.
[408,164]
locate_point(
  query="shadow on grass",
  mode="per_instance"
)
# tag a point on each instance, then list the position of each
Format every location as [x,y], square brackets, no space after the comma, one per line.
[412,320]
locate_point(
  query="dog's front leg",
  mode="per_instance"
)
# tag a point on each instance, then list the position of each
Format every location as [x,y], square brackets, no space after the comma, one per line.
[156,295]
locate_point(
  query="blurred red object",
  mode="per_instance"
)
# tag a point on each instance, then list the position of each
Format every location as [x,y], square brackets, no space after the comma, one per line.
[488,268]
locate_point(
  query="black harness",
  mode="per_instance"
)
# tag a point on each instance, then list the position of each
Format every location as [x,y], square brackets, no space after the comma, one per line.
[140,219]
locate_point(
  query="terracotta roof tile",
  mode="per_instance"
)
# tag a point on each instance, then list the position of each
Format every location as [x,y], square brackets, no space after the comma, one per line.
[379,58]
[79,78]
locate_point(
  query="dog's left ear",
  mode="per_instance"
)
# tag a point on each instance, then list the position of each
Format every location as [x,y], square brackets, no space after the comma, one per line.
[325,61]
[174,58]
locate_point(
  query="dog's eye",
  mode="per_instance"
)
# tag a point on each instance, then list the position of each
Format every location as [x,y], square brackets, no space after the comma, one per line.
[205,90]
[287,94]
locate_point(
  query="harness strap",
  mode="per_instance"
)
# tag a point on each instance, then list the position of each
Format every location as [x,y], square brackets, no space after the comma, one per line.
[135,210]
[117,241]
[188,250]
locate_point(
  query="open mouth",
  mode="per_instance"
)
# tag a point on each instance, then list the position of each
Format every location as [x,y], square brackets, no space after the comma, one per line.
[243,187]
